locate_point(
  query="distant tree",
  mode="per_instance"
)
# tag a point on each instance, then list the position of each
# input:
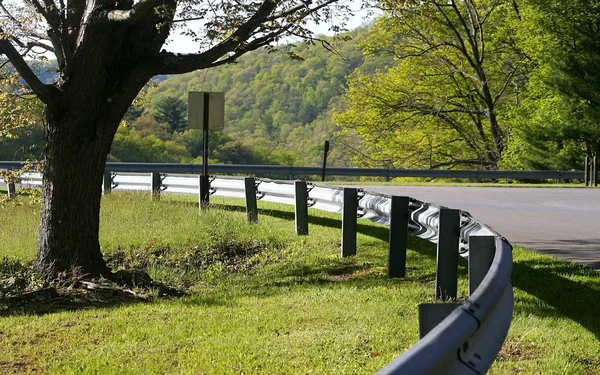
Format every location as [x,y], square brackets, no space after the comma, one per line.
[106,51]
[172,111]
[146,125]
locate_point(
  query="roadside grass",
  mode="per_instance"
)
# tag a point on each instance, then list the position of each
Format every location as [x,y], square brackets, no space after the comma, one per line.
[262,300]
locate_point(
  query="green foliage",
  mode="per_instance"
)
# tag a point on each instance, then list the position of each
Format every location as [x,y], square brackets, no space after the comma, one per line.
[438,105]
[559,120]
[279,104]
[130,146]
[172,111]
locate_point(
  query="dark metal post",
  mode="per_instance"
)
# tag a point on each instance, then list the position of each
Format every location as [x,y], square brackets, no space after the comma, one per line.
[398,234]
[349,218]
[325,151]
[446,279]
[586,171]
[251,206]
[301,208]
[12,191]
[107,183]
[204,183]
[155,186]
[481,255]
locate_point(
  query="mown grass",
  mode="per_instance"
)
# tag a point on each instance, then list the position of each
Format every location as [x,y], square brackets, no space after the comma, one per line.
[262,300]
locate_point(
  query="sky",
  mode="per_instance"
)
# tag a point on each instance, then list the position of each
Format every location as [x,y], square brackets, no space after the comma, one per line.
[183,44]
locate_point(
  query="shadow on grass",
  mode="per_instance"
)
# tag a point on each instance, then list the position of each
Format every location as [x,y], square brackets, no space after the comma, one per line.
[566,298]
[49,303]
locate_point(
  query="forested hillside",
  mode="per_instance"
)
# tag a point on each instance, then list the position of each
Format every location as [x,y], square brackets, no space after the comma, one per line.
[477,85]
[279,104]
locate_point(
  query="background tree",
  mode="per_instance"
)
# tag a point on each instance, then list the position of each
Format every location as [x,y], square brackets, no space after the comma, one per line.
[172,111]
[438,105]
[559,122]
[106,51]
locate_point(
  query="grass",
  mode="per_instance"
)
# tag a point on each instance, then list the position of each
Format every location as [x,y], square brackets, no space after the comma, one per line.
[265,301]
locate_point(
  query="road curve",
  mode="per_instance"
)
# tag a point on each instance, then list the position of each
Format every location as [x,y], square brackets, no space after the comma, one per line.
[562,222]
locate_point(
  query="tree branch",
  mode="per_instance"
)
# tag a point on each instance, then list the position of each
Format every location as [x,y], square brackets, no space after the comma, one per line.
[169,63]
[44,92]
[138,12]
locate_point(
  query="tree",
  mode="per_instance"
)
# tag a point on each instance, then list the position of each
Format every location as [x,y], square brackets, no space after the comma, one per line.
[172,111]
[106,51]
[438,104]
[560,117]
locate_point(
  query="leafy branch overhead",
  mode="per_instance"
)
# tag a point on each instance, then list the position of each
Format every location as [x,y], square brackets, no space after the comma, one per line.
[223,31]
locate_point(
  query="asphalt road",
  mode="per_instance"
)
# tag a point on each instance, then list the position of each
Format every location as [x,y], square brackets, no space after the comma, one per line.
[559,222]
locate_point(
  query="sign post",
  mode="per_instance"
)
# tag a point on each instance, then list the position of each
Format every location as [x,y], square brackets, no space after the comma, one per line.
[206,110]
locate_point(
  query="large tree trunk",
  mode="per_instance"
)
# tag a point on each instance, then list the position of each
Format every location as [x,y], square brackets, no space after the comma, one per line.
[71,193]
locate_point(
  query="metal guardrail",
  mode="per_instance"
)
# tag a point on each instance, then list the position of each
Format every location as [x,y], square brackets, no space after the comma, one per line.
[294,171]
[464,339]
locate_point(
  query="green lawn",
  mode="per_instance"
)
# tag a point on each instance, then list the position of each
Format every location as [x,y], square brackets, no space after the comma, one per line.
[262,300]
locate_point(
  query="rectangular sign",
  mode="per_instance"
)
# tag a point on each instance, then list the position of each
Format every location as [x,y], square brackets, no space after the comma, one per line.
[216,110]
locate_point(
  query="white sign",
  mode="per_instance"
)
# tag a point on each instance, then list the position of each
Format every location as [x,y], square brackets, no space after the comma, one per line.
[216,110]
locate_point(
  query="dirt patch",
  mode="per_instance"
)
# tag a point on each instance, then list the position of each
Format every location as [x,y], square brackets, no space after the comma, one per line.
[19,366]
[517,351]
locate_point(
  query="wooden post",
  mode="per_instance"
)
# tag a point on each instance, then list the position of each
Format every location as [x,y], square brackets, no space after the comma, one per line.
[586,171]
[301,208]
[349,225]
[397,239]
[325,151]
[446,279]
[107,183]
[155,186]
[481,255]
[204,191]
[595,173]
[12,191]
[251,206]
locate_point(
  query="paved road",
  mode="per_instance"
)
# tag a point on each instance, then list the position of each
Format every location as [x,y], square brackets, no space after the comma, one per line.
[561,222]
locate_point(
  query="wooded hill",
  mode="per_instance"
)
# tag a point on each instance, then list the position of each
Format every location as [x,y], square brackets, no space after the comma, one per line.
[421,90]
[279,104]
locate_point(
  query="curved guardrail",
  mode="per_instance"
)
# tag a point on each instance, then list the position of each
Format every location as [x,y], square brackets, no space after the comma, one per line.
[466,341]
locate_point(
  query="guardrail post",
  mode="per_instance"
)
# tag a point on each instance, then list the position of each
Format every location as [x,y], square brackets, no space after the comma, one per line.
[432,314]
[301,208]
[204,192]
[251,206]
[481,254]
[349,218]
[107,183]
[446,279]
[12,190]
[398,233]
[155,185]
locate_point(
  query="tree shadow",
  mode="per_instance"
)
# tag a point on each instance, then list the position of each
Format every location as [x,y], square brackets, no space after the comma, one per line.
[570,299]
[52,301]
[567,298]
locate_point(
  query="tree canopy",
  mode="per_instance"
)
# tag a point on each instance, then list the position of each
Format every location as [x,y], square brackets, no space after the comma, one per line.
[439,104]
